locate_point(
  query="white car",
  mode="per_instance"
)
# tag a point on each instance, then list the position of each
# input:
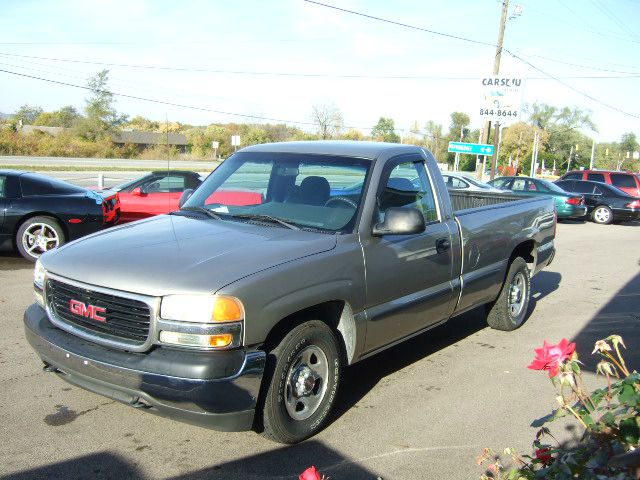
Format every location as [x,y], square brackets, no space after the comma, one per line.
[456,181]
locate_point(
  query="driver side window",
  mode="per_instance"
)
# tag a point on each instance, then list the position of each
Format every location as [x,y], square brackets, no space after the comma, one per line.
[408,186]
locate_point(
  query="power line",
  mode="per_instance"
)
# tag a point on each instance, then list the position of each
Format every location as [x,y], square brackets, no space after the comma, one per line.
[517,57]
[308,75]
[405,25]
[179,105]
[581,27]
[637,72]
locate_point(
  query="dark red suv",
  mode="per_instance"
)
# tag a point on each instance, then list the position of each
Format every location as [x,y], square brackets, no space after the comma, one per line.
[626,181]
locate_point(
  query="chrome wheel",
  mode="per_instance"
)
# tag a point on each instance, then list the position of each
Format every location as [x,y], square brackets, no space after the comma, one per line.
[602,215]
[306,383]
[39,238]
[516,295]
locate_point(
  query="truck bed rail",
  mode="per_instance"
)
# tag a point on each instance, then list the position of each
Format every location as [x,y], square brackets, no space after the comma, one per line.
[466,200]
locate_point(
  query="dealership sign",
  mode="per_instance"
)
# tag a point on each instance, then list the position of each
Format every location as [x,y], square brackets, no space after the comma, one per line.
[501,99]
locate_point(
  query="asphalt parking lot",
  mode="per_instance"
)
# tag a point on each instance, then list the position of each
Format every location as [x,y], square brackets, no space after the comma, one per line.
[423,409]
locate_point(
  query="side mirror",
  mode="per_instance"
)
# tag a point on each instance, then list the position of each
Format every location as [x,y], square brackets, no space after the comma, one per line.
[186,195]
[138,192]
[400,221]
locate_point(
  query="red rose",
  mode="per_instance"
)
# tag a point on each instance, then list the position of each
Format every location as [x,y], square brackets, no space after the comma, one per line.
[544,456]
[310,474]
[549,357]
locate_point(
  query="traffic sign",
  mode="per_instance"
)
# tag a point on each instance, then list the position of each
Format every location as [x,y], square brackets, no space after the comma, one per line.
[471,148]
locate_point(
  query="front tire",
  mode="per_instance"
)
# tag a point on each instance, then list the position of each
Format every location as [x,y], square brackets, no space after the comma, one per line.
[37,235]
[306,367]
[508,312]
[602,215]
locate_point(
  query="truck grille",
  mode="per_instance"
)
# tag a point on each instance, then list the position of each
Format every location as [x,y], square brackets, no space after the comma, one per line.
[108,316]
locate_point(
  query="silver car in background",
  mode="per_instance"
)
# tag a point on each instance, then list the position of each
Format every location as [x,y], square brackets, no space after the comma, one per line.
[457,181]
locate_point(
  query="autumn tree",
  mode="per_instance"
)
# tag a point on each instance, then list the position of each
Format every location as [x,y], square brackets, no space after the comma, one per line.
[328,120]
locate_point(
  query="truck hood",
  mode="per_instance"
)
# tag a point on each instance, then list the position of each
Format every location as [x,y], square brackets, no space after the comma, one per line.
[179,254]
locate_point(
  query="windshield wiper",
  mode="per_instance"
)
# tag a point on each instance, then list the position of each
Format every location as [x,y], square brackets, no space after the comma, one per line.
[206,211]
[268,218]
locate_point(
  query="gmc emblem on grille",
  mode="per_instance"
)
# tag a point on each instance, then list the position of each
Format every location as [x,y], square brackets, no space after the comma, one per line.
[88,311]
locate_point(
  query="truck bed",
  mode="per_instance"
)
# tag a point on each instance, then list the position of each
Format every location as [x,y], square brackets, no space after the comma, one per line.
[491,224]
[461,200]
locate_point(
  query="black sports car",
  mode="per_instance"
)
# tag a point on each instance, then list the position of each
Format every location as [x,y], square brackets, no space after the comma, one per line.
[38,213]
[605,203]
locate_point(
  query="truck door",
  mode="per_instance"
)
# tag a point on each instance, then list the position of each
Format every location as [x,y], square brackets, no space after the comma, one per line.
[408,277]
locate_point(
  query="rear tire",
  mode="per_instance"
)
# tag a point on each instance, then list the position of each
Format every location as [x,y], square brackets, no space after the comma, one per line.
[602,215]
[508,312]
[306,368]
[38,235]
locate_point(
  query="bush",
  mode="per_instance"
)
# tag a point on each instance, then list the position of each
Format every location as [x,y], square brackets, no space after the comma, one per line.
[608,417]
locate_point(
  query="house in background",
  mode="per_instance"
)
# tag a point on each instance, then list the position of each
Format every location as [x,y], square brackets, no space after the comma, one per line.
[144,140]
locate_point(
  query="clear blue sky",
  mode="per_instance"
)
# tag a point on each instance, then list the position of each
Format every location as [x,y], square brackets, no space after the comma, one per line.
[563,38]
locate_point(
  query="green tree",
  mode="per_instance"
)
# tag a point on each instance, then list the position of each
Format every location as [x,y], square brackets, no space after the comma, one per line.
[459,128]
[27,114]
[66,117]
[101,119]
[436,142]
[563,126]
[628,142]
[384,131]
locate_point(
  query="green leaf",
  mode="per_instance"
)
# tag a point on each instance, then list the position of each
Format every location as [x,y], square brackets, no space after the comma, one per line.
[609,419]
[558,413]
[628,395]
[630,430]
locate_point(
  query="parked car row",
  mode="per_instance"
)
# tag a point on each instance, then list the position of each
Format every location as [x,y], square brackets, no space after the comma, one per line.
[602,196]
[38,213]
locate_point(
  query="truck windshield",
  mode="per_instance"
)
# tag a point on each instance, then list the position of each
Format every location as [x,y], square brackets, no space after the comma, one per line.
[316,192]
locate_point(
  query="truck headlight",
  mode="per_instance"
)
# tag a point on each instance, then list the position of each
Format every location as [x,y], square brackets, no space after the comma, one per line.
[201,321]
[38,282]
[38,275]
[201,308]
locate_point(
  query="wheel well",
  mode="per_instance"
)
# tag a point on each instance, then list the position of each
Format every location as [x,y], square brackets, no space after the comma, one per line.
[40,214]
[526,250]
[328,312]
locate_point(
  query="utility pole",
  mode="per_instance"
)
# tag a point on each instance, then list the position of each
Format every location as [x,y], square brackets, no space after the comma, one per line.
[496,70]
[518,154]
[569,162]
[593,155]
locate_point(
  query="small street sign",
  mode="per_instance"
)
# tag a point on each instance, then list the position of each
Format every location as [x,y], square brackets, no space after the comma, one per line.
[471,148]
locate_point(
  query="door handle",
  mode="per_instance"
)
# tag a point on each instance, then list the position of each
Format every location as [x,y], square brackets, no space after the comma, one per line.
[442,245]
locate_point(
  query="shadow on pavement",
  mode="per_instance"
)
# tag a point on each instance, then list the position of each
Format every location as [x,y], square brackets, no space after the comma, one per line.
[281,463]
[620,316]
[101,465]
[542,284]
[360,378]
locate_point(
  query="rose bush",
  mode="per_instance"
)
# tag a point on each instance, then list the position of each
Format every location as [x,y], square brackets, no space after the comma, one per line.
[609,418]
[311,474]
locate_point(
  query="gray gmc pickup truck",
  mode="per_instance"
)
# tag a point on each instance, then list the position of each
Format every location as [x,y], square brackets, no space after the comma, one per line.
[290,262]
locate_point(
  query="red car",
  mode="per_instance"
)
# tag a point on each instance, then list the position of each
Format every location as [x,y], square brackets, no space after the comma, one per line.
[156,193]
[626,181]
